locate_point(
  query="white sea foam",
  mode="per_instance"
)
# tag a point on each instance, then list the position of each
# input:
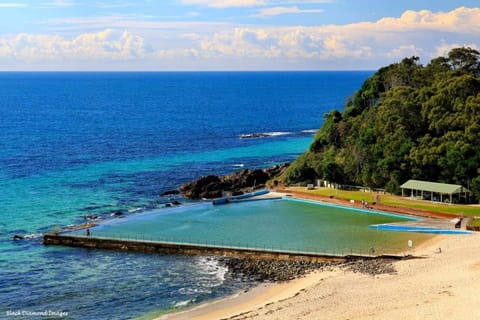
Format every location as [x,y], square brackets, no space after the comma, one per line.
[182,303]
[193,291]
[240,165]
[309,131]
[32,236]
[264,134]
[278,133]
[212,266]
[275,134]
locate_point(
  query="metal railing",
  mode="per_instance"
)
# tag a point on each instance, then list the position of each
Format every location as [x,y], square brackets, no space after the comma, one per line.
[310,249]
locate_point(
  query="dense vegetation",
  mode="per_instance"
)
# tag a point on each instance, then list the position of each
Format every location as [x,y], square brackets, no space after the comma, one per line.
[408,121]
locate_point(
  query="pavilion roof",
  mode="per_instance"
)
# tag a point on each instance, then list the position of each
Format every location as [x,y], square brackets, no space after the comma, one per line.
[434,187]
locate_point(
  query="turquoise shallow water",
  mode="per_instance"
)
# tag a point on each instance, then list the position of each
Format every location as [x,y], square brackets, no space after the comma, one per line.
[271,224]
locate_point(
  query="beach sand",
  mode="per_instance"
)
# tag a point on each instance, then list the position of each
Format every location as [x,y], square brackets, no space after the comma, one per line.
[440,285]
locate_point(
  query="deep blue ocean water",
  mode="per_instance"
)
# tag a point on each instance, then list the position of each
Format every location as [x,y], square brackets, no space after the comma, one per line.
[75,144]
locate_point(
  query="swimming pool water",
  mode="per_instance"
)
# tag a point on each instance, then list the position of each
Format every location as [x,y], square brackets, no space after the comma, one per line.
[273,224]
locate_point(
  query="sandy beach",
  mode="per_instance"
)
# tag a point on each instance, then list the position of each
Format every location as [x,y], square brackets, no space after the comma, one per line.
[439,285]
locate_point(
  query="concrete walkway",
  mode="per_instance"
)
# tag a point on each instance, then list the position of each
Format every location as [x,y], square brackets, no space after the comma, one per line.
[427,223]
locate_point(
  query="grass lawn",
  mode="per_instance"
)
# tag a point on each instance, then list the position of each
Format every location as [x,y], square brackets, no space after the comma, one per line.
[398,201]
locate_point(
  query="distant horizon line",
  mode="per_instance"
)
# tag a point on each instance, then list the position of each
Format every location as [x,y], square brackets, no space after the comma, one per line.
[177,71]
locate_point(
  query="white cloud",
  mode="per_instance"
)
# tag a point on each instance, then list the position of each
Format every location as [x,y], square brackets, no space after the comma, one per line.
[276,11]
[225,3]
[107,44]
[403,51]
[200,45]
[444,48]
[414,33]
[12,5]
[459,20]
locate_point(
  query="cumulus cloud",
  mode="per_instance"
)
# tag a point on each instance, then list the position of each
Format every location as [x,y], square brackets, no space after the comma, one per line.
[107,44]
[276,11]
[309,43]
[365,45]
[444,48]
[459,20]
[404,51]
[413,33]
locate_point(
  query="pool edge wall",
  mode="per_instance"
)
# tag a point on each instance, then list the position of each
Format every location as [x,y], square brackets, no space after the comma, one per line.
[176,248]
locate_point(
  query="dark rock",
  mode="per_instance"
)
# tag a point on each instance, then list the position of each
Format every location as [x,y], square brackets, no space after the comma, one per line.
[17,237]
[371,266]
[169,193]
[270,270]
[266,270]
[173,203]
[116,213]
[254,135]
[205,187]
[239,182]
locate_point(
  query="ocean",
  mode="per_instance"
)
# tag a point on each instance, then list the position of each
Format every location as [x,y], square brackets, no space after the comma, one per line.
[83,143]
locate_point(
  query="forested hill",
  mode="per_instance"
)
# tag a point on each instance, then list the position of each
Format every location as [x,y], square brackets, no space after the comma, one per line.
[408,121]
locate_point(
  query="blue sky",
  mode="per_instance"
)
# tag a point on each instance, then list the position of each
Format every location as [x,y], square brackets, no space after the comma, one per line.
[230,34]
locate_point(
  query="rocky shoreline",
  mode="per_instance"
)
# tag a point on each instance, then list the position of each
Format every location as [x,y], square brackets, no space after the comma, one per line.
[372,267]
[243,181]
[264,270]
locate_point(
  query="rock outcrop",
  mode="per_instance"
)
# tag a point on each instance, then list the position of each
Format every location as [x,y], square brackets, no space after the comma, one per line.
[239,182]
[371,266]
[169,193]
[271,270]
[283,270]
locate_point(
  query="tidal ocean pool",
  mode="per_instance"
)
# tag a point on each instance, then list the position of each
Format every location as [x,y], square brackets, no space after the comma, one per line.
[282,224]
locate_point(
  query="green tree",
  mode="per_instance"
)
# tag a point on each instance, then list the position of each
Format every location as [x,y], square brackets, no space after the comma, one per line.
[465,59]
[406,121]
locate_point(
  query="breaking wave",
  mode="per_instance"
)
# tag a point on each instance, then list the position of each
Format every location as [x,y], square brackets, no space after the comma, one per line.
[257,135]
